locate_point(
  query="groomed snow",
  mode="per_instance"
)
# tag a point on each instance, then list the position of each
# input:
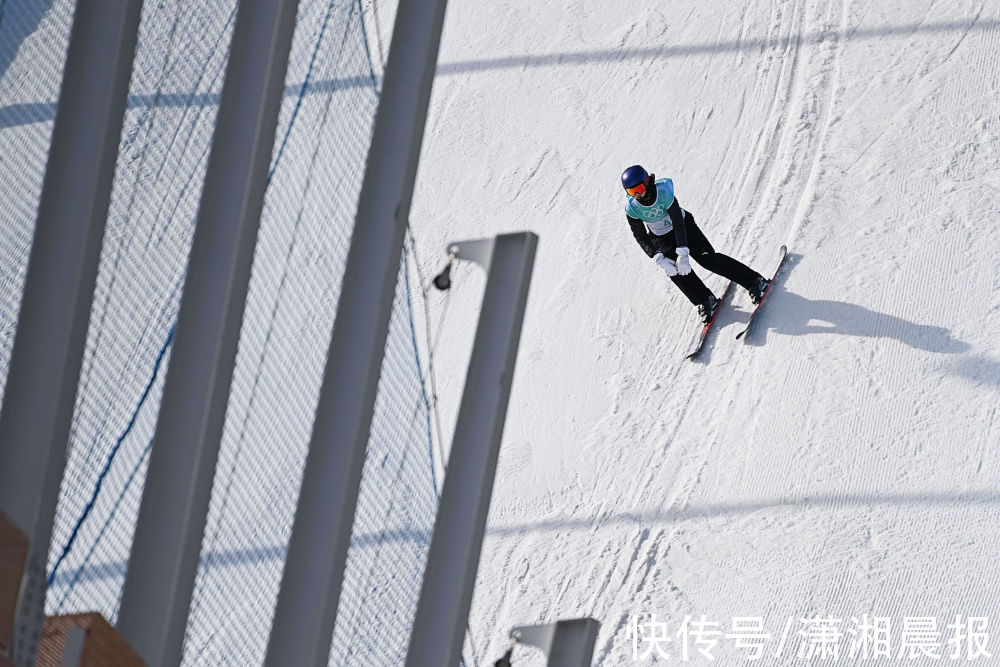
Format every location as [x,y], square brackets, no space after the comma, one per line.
[845,461]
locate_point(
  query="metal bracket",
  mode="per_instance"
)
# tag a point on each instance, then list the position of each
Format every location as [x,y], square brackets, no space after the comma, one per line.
[566,643]
[479,251]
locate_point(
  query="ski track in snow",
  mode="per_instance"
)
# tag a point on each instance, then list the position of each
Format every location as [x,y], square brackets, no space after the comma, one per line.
[840,463]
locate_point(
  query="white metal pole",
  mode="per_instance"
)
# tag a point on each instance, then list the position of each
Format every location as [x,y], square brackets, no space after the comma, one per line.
[321,533]
[171,522]
[453,559]
[62,270]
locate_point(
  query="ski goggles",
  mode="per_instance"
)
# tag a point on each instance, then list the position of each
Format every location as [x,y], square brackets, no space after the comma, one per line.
[637,190]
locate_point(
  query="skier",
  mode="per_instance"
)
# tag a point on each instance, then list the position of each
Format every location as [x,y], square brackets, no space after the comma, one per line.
[668,234]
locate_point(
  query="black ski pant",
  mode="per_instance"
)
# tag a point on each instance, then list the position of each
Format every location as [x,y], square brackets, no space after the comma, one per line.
[702,252]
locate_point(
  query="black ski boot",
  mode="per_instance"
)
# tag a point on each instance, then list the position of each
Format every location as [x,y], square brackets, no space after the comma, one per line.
[707,308]
[758,291]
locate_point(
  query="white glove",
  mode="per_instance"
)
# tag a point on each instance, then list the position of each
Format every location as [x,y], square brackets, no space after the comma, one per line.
[683,261]
[666,264]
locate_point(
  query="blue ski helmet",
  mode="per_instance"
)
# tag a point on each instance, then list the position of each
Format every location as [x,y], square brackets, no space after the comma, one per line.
[633,176]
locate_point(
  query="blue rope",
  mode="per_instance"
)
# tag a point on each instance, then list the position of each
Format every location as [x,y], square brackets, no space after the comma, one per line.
[160,357]
[409,304]
[406,279]
[368,53]
[111,456]
[107,522]
[302,92]
[156,367]
[420,371]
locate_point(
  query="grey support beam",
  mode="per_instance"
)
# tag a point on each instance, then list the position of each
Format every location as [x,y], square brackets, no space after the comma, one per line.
[450,577]
[62,270]
[567,643]
[171,522]
[321,533]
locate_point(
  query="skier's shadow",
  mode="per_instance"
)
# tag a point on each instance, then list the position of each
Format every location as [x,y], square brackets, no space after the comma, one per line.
[800,316]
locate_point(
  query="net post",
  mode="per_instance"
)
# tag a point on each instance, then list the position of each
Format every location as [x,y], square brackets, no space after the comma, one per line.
[321,533]
[62,269]
[453,559]
[164,560]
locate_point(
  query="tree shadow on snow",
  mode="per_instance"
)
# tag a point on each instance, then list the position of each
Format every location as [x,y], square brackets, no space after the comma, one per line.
[31,12]
[18,20]
[419,538]
[715,47]
[15,115]
[794,315]
[820,501]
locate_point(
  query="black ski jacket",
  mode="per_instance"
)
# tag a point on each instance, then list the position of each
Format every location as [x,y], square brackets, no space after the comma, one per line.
[669,242]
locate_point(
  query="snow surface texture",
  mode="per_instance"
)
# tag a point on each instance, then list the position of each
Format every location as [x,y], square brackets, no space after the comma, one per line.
[841,464]
[845,461]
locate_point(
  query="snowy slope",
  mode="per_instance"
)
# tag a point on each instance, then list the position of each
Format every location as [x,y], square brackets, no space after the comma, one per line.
[843,463]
